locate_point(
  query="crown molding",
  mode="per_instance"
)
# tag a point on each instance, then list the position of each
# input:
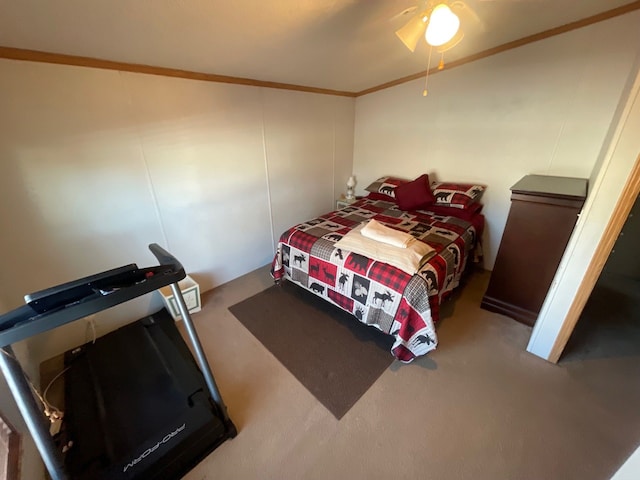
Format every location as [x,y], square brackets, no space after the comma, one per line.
[77,61]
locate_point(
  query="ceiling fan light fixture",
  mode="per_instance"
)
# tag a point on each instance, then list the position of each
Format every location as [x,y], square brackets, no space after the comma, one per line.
[412,32]
[443,25]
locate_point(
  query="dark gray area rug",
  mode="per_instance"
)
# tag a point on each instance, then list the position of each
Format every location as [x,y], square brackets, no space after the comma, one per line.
[329,351]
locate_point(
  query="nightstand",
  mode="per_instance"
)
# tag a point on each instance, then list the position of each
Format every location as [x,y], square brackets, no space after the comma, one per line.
[344,202]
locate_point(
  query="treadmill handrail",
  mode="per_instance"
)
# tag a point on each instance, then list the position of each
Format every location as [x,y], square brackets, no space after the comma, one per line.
[24,322]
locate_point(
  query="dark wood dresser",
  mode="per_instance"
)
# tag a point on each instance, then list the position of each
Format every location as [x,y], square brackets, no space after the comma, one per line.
[543,212]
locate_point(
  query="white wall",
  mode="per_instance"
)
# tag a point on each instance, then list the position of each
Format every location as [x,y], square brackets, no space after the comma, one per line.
[543,108]
[97,164]
[109,161]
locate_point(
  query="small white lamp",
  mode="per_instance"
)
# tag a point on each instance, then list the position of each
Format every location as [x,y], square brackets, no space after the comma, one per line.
[350,184]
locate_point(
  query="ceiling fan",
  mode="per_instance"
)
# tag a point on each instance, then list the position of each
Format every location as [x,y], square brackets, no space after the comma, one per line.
[438,21]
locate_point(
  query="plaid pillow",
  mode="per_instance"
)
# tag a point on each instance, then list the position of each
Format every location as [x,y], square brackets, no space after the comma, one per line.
[456,195]
[386,186]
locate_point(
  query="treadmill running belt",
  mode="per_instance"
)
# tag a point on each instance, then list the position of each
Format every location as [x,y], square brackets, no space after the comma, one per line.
[137,406]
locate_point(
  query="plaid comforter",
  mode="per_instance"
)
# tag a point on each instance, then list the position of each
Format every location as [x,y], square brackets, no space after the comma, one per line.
[402,305]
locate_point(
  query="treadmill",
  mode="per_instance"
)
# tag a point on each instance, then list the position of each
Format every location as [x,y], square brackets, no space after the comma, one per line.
[137,403]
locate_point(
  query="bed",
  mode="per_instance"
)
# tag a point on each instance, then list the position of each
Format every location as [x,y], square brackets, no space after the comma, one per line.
[378,294]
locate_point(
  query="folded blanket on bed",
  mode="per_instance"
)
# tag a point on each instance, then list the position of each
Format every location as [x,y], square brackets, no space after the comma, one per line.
[377,231]
[408,259]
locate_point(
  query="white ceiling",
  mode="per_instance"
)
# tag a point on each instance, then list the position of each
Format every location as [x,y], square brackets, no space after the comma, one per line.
[345,45]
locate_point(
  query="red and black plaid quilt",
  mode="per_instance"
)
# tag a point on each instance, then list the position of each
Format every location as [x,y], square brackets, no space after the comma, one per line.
[378,294]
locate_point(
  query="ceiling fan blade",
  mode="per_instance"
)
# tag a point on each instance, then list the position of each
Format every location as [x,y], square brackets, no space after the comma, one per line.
[457,38]
[467,14]
[404,13]
[412,31]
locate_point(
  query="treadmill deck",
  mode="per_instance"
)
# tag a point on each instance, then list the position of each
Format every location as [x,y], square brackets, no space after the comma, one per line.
[136,405]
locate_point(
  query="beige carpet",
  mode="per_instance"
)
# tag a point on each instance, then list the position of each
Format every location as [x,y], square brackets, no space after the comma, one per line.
[479,407]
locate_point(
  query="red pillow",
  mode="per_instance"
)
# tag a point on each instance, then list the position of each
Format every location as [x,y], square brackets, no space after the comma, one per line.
[415,194]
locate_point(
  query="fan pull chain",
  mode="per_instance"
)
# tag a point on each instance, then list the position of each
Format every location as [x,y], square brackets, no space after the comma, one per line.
[426,78]
[441,64]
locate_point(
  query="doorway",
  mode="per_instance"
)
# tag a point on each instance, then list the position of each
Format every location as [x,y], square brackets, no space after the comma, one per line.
[609,324]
